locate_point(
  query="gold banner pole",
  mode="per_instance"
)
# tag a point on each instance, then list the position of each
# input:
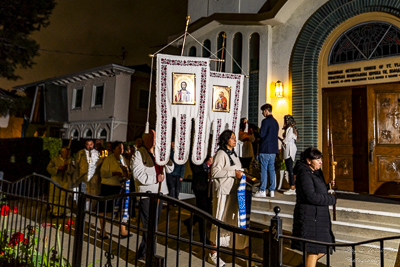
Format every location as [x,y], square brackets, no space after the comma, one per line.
[222,52]
[332,188]
[184,37]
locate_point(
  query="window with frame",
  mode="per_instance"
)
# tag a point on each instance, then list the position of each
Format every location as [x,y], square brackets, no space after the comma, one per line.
[98,95]
[192,51]
[206,48]
[254,53]
[77,98]
[75,134]
[88,133]
[103,134]
[366,41]
[237,53]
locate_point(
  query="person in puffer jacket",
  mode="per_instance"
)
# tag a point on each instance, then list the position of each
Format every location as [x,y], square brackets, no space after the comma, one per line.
[311,218]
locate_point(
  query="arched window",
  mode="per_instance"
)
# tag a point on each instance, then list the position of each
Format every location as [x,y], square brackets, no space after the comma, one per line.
[192,51]
[88,133]
[74,134]
[254,78]
[237,53]
[221,46]
[102,134]
[206,48]
[366,41]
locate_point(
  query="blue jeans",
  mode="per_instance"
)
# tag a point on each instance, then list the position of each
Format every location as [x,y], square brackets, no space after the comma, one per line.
[267,162]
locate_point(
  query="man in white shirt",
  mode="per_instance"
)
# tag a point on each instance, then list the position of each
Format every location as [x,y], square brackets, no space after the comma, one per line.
[88,163]
[148,176]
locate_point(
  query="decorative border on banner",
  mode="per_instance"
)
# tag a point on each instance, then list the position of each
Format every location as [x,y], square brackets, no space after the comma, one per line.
[236,107]
[237,94]
[164,117]
[202,109]
[217,134]
[182,138]
[203,82]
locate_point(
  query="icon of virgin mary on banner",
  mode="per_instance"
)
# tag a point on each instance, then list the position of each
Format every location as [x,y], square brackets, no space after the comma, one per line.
[182,94]
[227,104]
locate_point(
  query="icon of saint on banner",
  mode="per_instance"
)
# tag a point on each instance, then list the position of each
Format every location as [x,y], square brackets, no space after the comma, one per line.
[183,88]
[221,98]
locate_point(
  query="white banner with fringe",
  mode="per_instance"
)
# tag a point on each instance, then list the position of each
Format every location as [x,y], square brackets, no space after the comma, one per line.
[225,87]
[182,94]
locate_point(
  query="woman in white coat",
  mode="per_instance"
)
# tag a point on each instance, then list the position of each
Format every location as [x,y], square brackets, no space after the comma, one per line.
[290,135]
[226,173]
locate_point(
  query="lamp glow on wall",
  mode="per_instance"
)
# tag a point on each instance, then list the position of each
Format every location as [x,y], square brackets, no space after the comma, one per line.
[278,89]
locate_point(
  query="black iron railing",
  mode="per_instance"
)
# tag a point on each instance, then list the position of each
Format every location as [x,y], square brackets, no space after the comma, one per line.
[375,256]
[43,224]
[62,228]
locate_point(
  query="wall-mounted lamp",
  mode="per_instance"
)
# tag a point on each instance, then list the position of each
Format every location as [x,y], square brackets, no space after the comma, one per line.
[278,89]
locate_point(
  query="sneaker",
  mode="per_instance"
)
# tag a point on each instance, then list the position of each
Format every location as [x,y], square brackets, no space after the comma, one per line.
[272,193]
[290,192]
[260,194]
[213,259]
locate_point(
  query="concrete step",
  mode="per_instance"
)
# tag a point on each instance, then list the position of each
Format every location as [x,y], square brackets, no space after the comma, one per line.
[346,209]
[359,218]
[370,229]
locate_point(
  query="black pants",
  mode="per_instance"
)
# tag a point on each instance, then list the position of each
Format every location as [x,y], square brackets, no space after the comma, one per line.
[144,216]
[203,202]
[174,185]
[289,167]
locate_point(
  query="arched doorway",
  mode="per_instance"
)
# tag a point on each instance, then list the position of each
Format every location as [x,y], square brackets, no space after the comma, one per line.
[360,102]
[316,101]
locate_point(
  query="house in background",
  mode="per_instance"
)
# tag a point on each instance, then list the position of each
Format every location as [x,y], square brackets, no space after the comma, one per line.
[98,102]
[11,114]
[108,102]
[46,113]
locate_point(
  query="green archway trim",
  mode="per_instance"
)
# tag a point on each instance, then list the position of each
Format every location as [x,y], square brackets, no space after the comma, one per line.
[304,61]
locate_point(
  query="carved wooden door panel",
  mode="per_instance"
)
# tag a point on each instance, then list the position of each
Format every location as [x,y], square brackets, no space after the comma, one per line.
[384,138]
[338,124]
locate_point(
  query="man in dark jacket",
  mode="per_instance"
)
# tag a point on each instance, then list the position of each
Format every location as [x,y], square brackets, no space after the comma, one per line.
[175,178]
[200,187]
[268,150]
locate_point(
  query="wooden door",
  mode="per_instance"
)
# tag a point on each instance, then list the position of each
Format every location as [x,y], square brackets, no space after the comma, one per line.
[384,138]
[345,121]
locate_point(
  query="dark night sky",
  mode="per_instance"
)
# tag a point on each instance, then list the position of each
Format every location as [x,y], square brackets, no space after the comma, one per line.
[102,27]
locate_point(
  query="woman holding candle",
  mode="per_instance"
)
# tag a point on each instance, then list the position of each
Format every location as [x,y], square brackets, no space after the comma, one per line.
[311,218]
[114,173]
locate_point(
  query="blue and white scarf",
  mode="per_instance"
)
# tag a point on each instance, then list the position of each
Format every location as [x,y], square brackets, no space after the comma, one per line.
[244,199]
[125,188]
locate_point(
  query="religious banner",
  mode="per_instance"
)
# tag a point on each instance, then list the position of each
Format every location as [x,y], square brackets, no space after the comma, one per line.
[182,94]
[226,90]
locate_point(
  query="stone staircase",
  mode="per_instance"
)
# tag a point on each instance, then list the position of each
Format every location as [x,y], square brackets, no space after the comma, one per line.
[358,218]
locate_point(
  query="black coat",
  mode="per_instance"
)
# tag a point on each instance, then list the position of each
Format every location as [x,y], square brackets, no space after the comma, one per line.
[200,176]
[311,218]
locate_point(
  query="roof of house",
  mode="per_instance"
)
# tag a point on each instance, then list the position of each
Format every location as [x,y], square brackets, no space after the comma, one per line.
[107,70]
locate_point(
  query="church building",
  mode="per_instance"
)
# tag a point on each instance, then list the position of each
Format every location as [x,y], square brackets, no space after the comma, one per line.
[334,65]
